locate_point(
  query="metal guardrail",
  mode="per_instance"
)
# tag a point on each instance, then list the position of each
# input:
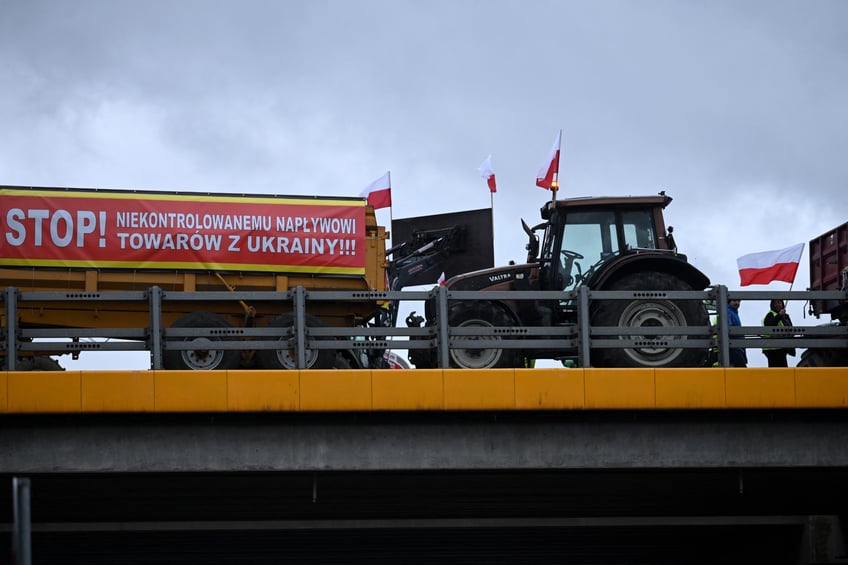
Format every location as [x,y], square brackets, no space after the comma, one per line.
[581,337]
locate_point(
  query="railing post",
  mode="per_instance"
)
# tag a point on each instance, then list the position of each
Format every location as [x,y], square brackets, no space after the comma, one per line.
[443,340]
[11,327]
[583,327]
[300,326]
[723,331]
[21,538]
[154,297]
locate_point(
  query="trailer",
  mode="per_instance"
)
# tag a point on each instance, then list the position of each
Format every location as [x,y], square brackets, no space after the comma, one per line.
[94,243]
[829,272]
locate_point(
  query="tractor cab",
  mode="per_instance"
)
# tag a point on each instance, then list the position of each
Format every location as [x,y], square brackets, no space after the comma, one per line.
[583,237]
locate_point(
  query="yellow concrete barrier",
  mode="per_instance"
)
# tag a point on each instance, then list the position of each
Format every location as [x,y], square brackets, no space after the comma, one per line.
[620,388]
[117,391]
[263,391]
[190,391]
[4,383]
[43,392]
[821,387]
[760,387]
[335,391]
[47,392]
[690,388]
[479,389]
[422,389]
[550,389]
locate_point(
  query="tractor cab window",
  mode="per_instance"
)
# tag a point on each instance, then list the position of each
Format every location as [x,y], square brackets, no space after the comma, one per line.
[638,227]
[588,238]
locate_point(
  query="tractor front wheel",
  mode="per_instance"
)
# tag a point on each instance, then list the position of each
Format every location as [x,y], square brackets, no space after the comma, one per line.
[485,315]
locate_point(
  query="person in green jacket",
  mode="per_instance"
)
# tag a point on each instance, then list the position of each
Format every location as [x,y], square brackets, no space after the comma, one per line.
[777,316]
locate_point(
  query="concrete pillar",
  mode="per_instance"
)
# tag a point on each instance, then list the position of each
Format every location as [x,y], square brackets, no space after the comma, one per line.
[21,548]
[822,541]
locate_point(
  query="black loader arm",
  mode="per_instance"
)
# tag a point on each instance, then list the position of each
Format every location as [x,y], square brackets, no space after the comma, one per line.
[425,252]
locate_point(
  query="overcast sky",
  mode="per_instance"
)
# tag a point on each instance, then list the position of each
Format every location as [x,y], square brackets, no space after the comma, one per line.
[737,109]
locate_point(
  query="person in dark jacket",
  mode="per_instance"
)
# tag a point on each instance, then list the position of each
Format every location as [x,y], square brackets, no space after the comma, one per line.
[777,316]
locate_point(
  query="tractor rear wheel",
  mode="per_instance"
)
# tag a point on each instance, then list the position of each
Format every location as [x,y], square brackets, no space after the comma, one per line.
[650,312]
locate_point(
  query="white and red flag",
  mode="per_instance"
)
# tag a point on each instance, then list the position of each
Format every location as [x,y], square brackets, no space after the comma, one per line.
[548,174]
[441,280]
[768,266]
[488,173]
[379,192]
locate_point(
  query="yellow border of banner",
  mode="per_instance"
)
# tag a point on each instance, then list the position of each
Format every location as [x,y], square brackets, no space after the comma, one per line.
[189,196]
[195,266]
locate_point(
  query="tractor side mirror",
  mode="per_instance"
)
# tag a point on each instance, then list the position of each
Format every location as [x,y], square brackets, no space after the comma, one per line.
[670,239]
[532,246]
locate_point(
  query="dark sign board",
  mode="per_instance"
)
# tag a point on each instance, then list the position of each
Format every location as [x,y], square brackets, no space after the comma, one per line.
[464,241]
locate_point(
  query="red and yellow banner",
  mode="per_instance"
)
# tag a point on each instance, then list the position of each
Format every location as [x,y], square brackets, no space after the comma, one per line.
[126,230]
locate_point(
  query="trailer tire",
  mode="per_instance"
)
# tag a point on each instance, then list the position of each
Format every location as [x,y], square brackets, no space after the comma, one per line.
[286,359]
[342,362]
[423,358]
[650,312]
[484,315]
[205,357]
[823,358]
[35,364]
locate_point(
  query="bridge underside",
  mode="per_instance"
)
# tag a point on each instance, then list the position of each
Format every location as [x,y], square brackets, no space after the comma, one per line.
[599,487]
[691,516]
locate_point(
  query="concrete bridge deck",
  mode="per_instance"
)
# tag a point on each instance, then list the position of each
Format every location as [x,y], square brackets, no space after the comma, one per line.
[537,465]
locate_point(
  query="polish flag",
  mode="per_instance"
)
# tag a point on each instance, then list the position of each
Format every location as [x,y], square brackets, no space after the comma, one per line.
[488,173]
[548,174]
[441,281]
[379,192]
[768,266]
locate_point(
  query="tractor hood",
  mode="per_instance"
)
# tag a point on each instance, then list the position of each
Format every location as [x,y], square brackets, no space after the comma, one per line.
[511,277]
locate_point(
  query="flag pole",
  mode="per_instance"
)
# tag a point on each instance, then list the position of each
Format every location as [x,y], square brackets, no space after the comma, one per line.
[803,246]
[790,290]
[486,171]
[492,203]
[555,181]
[391,216]
[554,188]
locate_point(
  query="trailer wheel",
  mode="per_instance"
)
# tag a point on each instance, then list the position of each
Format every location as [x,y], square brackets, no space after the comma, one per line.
[204,356]
[287,358]
[481,316]
[650,312]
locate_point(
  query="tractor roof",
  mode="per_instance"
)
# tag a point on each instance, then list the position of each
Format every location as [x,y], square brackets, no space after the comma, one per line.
[662,200]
